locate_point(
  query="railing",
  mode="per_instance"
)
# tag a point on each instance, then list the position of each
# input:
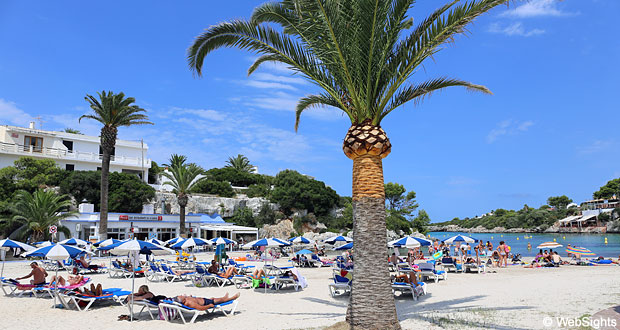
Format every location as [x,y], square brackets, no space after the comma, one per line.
[25,150]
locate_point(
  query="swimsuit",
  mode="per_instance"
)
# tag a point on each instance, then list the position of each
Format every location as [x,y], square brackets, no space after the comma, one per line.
[208,301]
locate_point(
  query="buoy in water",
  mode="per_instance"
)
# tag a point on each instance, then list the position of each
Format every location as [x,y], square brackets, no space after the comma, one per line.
[501,235]
[563,237]
[605,240]
[554,239]
[517,238]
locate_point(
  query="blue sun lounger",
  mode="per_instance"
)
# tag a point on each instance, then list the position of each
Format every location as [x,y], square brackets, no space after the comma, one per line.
[172,310]
[114,294]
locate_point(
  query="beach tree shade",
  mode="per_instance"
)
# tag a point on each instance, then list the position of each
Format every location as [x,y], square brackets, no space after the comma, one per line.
[363,55]
[240,163]
[36,212]
[182,177]
[112,111]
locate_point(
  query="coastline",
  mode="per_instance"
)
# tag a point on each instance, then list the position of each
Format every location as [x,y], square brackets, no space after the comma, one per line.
[500,230]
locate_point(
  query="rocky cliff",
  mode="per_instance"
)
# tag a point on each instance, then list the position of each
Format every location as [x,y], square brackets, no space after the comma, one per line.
[167,203]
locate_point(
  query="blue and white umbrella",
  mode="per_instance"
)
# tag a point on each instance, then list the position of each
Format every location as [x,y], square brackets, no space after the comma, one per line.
[74,241]
[134,247]
[156,241]
[174,241]
[347,246]
[460,238]
[222,240]
[106,242]
[189,243]
[409,242]
[333,240]
[300,240]
[42,243]
[7,244]
[304,251]
[266,242]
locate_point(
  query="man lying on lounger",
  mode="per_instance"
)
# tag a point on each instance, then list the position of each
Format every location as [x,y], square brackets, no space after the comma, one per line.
[204,303]
[38,274]
[72,280]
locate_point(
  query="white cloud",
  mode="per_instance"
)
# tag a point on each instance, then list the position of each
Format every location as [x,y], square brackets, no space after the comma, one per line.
[598,146]
[278,78]
[202,113]
[10,113]
[508,127]
[268,85]
[514,29]
[536,8]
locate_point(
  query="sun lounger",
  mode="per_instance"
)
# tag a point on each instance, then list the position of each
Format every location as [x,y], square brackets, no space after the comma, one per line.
[474,267]
[405,288]
[116,271]
[276,271]
[172,276]
[47,289]
[242,281]
[172,310]
[151,307]
[13,288]
[341,285]
[428,270]
[115,295]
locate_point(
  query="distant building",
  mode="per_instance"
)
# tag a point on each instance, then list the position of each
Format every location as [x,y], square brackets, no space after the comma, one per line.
[72,152]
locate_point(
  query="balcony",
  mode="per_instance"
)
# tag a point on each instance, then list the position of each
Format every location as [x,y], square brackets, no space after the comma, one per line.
[76,156]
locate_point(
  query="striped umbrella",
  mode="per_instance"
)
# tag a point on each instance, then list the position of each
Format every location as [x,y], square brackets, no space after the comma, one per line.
[221,240]
[7,244]
[333,240]
[42,244]
[267,242]
[156,241]
[74,241]
[460,238]
[580,251]
[300,240]
[106,242]
[549,245]
[347,246]
[189,243]
[174,241]
[409,242]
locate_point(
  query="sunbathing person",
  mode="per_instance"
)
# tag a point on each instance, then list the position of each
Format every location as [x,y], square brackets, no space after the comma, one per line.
[95,290]
[204,303]
[214,268]
[230,271]
[38,274]
[410,279]
[145,294]
[87,265]
[258,273]
[72,280]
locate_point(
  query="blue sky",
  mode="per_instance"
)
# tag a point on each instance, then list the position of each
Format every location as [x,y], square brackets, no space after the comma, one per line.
[550,128]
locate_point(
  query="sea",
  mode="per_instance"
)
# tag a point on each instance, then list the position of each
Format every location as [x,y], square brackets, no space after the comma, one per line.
[606,245]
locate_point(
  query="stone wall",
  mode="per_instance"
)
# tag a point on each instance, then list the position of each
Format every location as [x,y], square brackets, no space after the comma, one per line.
[209,204]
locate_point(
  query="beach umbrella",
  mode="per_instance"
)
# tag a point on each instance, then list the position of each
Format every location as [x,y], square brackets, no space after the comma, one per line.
[581,251]
[56,252]
[106,242]
[304,251]
[74,241]
[156,241]
[460,238]
[409,242]
[333,240]
[132,248]
[189,243]
[7,244]
[42,243]
[266,242]
[549,245]
[347,246]
[222,240]
[174,240]
[300,240]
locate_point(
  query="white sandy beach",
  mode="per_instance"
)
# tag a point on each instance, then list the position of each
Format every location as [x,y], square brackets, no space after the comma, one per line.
[512,298]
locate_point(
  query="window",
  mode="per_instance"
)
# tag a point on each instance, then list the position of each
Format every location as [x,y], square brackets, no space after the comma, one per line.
[36,143]
[70,167]
[98,168]
[116,233]
[68,144]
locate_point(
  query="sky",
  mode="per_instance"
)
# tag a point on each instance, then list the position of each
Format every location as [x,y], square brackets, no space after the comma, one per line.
[550,128]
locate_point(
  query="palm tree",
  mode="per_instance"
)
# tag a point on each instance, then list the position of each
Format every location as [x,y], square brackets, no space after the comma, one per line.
[241,163]
[36,212]
[182,178]
[113,111]
[362,54]
[176,161]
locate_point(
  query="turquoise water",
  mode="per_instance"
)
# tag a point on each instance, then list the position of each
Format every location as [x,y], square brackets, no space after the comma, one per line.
[518,242]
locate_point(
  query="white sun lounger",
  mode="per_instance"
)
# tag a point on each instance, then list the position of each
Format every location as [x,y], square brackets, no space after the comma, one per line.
[404,288]
[172,310]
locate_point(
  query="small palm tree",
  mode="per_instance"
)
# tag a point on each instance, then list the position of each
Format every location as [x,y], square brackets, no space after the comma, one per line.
[182,178]
[176,161]
[363,55]
[113,111]
[38,211]
[241,163]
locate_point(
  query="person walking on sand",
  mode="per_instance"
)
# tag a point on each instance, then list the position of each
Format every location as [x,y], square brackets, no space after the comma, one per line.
[503,257]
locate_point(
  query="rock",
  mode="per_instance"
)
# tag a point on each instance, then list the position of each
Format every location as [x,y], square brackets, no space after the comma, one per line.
[283,230]
[167,203]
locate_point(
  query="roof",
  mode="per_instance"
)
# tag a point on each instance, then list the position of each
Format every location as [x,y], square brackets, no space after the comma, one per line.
[235,228]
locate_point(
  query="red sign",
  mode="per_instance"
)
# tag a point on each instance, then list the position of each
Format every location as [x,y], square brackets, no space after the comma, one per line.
[53,229]
[145,217]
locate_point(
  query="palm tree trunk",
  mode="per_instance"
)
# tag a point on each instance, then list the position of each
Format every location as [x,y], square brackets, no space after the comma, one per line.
[372,302]
[182,199]
[103,205]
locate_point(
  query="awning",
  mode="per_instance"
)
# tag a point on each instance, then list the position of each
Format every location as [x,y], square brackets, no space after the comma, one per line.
[569,219]
[586,218]
[231,228]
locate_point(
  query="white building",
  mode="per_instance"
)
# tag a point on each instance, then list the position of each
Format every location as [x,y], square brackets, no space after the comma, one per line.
[73,152]
[85,225]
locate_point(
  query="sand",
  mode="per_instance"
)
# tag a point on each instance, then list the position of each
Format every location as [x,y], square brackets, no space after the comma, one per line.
[512,298]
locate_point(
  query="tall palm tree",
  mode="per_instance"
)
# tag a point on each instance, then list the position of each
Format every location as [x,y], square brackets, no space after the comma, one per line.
[182,178]
[362,54]
[38,211]
[113,111]
[241,163]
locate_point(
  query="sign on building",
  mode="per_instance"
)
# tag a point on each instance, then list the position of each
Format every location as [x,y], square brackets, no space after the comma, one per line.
[140,217]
